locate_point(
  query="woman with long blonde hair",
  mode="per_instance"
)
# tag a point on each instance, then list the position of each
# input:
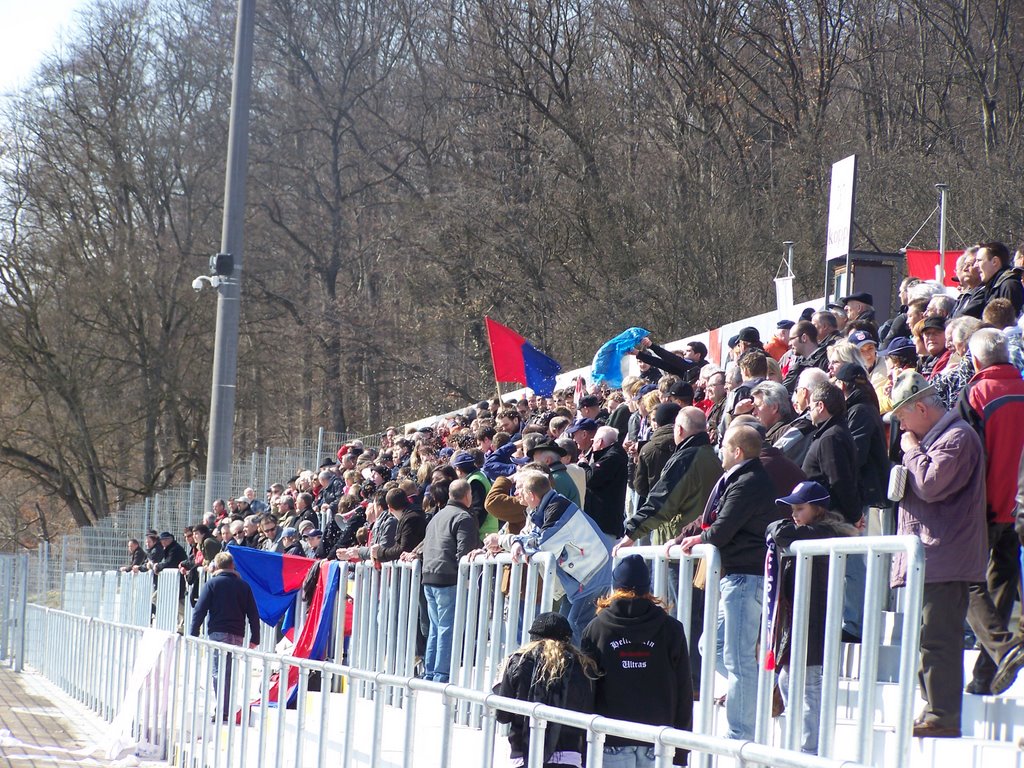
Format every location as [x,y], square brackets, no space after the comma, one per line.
[549,669]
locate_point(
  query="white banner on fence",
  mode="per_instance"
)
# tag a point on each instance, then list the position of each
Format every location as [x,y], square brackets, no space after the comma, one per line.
[152,666]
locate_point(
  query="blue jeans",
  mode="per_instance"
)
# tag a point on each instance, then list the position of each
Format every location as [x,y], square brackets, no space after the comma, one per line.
[739,623]
[441,612]
[811,705]
[854,584]
[853,592]
[224,637]
[629,757]
[582,611]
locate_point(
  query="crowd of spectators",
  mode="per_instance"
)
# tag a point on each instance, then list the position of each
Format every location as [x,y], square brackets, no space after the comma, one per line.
[688,452]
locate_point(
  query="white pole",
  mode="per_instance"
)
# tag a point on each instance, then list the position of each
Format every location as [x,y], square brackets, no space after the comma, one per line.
[940,270]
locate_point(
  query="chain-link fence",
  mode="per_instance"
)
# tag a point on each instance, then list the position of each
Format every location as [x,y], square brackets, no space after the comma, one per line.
[104,546]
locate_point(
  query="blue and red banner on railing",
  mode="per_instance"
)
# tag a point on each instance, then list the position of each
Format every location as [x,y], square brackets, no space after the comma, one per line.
[275,580]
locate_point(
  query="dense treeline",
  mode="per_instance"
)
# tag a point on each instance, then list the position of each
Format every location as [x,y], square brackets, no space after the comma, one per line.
[568,167]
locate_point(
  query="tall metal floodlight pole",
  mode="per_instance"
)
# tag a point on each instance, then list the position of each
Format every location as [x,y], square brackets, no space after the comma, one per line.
[225,355]
[940,271]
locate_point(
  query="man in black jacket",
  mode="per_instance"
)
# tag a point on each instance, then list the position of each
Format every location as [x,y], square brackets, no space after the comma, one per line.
[970,302]
[1000,278]
[832,461]
[229,602]
[173,553]
[828,328]
[868,433]
[687,366]
[605,501]
[412,527]
[735,519]
[803,341]
[154,552]
[832,457]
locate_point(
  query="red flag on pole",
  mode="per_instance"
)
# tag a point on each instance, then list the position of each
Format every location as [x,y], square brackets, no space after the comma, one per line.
[506,352]
[922,264]
[516,359]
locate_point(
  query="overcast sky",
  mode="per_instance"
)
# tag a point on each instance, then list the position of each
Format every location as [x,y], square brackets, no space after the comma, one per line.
[29,29]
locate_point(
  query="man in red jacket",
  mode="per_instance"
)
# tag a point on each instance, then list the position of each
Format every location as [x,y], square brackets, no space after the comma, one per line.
[993,403]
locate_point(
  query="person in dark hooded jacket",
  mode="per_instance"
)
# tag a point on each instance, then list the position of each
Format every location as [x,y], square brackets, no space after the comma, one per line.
[639,649]
[811,519]
[548,670]
[656,451]
[868,432]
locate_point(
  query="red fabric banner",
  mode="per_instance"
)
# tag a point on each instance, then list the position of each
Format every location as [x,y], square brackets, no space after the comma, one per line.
[922,264]
[715,346]
[506,352]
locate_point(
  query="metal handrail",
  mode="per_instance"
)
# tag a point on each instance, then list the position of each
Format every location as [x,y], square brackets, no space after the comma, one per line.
[181,731]
[876,549]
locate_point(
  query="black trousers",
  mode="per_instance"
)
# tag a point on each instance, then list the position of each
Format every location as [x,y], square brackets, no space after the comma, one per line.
[942,651]
[991,602]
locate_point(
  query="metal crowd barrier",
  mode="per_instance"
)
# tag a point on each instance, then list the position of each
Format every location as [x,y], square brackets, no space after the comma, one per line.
[496,601]
[169,601]
[92,661]
[14,585]
[385,621]
[170,702]
[491,621]
[134,599]
[110,595]
[878,550]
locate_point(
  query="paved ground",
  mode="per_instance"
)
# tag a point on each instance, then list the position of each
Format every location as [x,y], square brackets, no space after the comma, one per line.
[40,727]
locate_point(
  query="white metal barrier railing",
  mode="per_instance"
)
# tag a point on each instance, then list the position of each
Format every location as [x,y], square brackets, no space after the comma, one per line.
[174,702]
[878,551]
[139,599]
[110,595]
[8,563]
[92,661]
[170,594]
[493,614]
[12,589]
[385,620]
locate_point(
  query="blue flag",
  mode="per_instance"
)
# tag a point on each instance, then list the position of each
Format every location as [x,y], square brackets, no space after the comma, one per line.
[607,365]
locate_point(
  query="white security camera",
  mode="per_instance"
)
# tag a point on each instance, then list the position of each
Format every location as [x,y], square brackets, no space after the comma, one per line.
[213,282]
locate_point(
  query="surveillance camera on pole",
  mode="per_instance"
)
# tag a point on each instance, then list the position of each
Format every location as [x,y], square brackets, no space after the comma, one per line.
[213,282]
[222,267]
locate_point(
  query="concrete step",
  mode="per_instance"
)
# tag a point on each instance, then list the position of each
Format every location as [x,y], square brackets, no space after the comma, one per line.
[888,662]
[966,752]
[995,718]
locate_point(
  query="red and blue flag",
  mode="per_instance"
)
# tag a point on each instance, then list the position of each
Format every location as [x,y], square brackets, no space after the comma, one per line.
[315,635]
[275,580]
[517,360]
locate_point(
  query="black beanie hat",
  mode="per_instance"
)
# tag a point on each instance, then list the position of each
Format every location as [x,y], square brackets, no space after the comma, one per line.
[666,413]
[632,575]
[551,626]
